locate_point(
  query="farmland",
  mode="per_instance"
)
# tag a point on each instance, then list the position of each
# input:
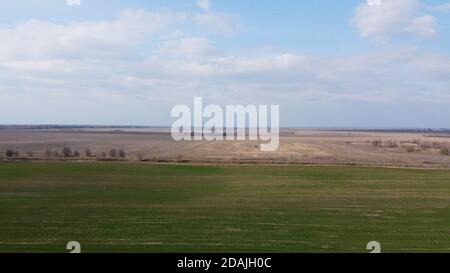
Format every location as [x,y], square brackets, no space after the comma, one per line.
[297,146]
[136,207]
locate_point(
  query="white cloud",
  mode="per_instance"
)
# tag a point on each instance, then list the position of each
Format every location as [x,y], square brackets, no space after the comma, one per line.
[424,26]
[91,39]
[135,62]
[200,68]
[88,58]
[35,39]
[393,17]
[385,77]
[189,47]
[217,22]
[441,8]
[205,5]
[73,2]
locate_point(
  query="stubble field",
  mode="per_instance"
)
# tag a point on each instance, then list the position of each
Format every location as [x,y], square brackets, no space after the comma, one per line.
[320,147]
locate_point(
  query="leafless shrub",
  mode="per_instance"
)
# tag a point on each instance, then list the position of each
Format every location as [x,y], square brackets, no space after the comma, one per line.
[410,148]
[438,145]
[391,144]
[411,141]
[426,145]
[48,153]
[377,143]
[76,154]
[30,154]
[433,145]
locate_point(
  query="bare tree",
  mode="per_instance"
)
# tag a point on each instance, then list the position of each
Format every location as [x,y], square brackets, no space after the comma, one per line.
[122,153]
[11,153]
[113,153]
[179,158]
[66,152]
[445,151]
[88,152]
[48,153]
[76,154]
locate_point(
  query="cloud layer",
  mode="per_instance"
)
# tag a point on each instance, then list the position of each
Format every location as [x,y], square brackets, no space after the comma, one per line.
[150,59]
[394,17]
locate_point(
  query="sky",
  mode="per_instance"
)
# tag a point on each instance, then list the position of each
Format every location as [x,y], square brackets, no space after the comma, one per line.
[326,63]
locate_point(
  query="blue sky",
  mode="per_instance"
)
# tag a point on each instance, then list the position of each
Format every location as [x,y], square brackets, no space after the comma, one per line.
[326,63]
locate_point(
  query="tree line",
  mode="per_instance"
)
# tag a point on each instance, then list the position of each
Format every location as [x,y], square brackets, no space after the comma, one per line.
[66,152]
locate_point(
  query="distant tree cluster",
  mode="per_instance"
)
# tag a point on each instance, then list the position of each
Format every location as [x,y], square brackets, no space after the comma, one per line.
[388,143]
[117,153]
[66,152]
[9,153]
[88,153]
[50,153]
[414,145]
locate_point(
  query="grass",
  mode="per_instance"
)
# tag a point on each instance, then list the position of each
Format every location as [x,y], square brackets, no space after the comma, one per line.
[114,207]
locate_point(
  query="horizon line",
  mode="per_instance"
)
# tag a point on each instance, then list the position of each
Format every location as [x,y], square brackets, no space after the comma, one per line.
[79,126]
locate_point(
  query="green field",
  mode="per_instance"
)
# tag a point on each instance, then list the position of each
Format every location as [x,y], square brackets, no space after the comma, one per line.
[119,207]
